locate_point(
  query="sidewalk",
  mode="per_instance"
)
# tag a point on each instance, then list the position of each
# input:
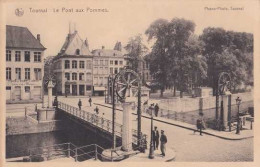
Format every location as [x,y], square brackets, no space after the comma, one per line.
[244,134]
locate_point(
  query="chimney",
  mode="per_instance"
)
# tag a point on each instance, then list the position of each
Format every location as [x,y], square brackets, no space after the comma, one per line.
[86,43]
[39,37]
[103,47]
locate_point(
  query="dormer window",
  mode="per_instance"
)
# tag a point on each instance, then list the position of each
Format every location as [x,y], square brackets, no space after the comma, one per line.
[77,52]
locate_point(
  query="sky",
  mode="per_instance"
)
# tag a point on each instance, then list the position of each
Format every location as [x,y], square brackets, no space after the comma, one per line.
[123,20]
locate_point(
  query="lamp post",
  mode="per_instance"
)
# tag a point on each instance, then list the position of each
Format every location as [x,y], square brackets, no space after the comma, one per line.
[151,153]
[238,102]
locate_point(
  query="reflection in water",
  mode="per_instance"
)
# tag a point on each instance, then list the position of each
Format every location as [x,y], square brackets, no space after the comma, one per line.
[17,145]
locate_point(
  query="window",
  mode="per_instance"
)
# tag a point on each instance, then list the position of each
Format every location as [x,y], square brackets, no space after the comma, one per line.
[8,73]
[27,56]
[100,81]
[18,73]
[37,56]
[105,80]
[121,62]
[77,52]
[8,55]
[88,76]
[101,62]
[101,70]
[106,70]
[8,88]
[74,64]
[81,76]
[37,74]
[96,62]
[147,65]
[106,62]
[89,64]
[95,80]
[67,64]
[27,89]
[111,70]
[95,70]
[147,76]
[74,76]
[116,62]
[81,64]
[116,70]
[111,62]
[88,87]
[17,55]
[27,74]
[67,76]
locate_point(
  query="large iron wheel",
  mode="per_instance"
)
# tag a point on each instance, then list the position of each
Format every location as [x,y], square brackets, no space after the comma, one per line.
[224,83]
[125,81]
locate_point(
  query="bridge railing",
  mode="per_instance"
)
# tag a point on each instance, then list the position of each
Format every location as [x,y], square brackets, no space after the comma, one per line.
[98,121]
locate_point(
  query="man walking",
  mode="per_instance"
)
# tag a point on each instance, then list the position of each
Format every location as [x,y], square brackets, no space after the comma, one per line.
[90,101]
[97,110]
[156,137]
[163,140]
[199,126]
[156,109]
[79,104]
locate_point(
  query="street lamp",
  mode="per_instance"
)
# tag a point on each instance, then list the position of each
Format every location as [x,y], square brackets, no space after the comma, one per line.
[238,102]
[151,153]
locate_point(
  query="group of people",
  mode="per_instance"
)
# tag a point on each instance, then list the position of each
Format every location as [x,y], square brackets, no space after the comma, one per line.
[90,104]
[152,108]
[163,140]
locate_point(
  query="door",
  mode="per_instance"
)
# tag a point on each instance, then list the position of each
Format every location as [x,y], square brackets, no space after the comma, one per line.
[74,89]
[37,92]
[67,89]
[81,90]
[17,93]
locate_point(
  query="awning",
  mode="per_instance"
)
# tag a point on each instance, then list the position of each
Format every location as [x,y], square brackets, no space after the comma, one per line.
[97,88]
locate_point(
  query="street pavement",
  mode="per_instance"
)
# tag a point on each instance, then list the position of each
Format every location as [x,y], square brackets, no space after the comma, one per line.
[187,145]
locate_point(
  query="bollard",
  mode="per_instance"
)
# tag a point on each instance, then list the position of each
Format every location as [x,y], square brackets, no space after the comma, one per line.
[76,155]
[168,114]
[229,126]
[68,149]
[95,152]
[25,112]
[251,125]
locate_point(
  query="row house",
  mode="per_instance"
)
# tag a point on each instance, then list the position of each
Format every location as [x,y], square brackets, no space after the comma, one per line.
[24,65]
[106,62]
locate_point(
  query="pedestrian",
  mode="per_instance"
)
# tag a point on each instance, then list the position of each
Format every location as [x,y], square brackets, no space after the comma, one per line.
[79,104]
[151,108]
[163,140]
[55,102]
[199,126]
[156,109]
[90,101]
[156,137]
[97,110]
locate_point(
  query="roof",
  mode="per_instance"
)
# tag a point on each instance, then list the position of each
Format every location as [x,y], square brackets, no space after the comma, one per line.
[72,43]
[21,37]
[107,53]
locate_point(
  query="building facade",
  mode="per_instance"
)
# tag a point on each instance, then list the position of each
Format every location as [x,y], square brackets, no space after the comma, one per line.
[24,65]
[106,62]
[73,67]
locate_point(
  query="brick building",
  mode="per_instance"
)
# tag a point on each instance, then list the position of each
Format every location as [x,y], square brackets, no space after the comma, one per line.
[24,65]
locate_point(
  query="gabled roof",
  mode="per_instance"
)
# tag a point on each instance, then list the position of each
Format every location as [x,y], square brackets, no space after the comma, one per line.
[72,43]
[21,37]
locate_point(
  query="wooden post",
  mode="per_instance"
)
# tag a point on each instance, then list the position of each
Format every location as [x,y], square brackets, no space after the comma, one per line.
[68,149]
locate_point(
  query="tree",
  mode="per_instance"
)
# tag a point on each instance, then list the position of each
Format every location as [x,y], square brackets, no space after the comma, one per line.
[228,51]
[175,59]
[136,50]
